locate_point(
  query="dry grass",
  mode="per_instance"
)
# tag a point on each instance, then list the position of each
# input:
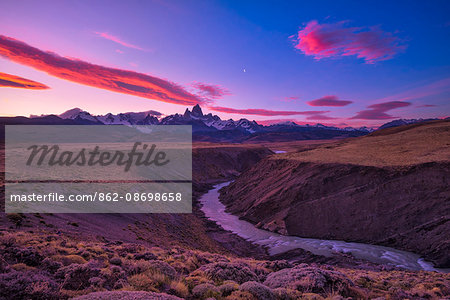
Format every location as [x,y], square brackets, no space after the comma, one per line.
[178,288]
[69,259]
[141,282]
[142,275]
[429,142]
[22,267]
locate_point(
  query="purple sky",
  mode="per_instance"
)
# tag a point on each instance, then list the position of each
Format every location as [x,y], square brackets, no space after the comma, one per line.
[319,61]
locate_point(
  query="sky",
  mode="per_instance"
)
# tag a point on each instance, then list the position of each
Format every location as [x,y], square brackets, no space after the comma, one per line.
[341,63]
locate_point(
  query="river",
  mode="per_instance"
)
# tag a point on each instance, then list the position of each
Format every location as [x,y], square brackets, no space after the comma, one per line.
[276,243]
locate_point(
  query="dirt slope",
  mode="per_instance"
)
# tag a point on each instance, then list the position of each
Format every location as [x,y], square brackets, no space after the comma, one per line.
[210,164]
[389,188]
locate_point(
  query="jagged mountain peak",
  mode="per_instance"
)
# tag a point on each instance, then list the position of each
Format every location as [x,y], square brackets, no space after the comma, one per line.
[197,111]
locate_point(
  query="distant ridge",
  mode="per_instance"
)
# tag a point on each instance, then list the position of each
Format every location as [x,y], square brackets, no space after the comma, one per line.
[401,122]
[209,127]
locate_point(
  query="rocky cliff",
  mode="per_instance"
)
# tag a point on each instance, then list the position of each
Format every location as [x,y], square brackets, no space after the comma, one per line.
[389,188]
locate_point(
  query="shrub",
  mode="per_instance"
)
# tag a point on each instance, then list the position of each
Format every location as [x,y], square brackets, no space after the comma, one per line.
[69,259]
[277,265]
[111,276]
[241,295]
[119,295]
[178,288]
[29,256]
[17,219]
[312,296]
[96,282]
[205,290]
[8,240]
[50,265]
[258,290]
[27,285]
[158,266]
[222,271]
[145,256]
[194,280]
[228,287]
[309,279]
[115,261]
[77,276]
[286,294]
[141,282]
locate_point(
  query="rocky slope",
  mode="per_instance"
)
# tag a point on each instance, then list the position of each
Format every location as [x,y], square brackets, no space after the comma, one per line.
[390,187]
[211,164]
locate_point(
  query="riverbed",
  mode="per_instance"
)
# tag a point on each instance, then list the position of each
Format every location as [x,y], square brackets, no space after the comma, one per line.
[276,243]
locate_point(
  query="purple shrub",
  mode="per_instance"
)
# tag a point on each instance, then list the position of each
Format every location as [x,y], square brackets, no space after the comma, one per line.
[145,256]
[50,265]
[77,276]
[222,271]
[260,291]
[308,279]
[27,285]
[115,261]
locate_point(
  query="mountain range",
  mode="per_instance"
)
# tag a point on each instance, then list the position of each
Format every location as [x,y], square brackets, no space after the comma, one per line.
[208,127]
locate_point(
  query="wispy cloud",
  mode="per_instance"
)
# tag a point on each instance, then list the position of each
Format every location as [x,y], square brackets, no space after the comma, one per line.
[8,80]
[112,79]
[117,40]
[290,99]
[329,101]
[379,111]
[427,105]
[432,89]
[320,117]
[337,39]
[211,91]
[263,112]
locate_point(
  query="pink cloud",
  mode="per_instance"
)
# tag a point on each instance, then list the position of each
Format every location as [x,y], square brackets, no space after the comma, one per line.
[290,99]
[335,39]
[329,101]
[211,91]
[263,112]
[8,80]
[427,105]
[378,111]
[117,40]
[112,79]
[320,117]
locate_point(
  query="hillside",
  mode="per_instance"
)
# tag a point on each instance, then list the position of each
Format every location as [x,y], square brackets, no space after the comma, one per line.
[389,188]
[210,165]
[397,146]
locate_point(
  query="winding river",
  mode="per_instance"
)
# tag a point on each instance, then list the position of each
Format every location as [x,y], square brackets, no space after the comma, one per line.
[276,243]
